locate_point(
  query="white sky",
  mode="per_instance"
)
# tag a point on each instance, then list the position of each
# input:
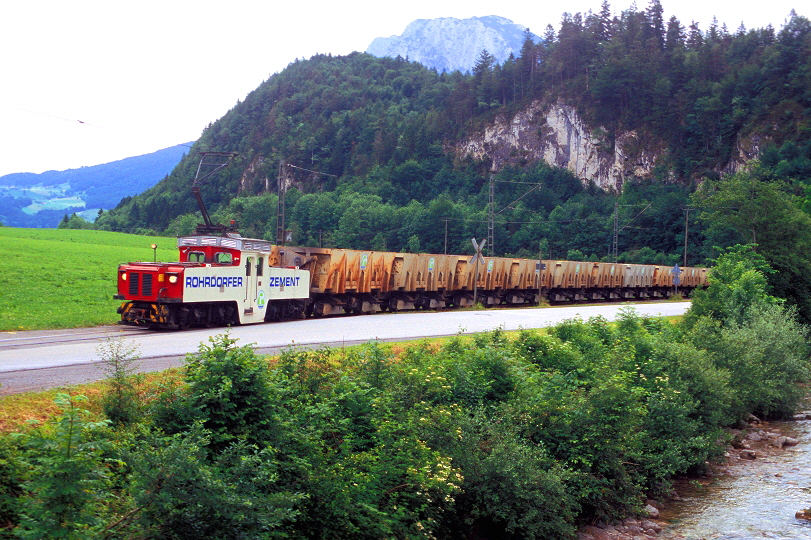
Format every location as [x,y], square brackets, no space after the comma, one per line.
[147,75]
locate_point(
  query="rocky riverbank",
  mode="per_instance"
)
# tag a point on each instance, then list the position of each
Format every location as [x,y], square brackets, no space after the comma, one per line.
[757,441]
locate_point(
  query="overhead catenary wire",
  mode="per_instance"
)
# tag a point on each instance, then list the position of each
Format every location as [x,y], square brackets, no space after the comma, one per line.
[82,122]
[281,232]
[516,182]
[309,170]
[82,138]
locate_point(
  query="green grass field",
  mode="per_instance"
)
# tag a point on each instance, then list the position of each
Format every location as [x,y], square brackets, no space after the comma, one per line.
[66,278]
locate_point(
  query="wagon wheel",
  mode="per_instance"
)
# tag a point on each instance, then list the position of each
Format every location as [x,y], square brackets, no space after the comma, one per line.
[393,305]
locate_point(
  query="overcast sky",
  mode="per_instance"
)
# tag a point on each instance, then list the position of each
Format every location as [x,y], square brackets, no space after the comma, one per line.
[88,82]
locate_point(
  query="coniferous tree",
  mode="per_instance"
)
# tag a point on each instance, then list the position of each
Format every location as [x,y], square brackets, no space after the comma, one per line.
[656,17]
[526,64]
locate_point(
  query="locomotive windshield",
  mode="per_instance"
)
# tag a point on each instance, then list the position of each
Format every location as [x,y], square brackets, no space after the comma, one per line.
[218,257]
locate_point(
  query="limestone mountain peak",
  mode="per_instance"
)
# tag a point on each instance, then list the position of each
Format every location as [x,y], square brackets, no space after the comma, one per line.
[449,44]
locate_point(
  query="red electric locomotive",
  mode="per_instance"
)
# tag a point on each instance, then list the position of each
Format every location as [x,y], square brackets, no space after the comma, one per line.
[221,278]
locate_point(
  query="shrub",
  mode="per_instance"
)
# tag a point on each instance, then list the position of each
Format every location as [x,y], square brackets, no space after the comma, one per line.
[12,476]
[691,371]
[767,358]
[687,402]
[592,429]
[480,376]
[511,487]
[592,340]
[120,402]
[65,489]
[738,282]
[375,365]
[179,492]
[548,352]
[307,370]
[227,389]
[397,488]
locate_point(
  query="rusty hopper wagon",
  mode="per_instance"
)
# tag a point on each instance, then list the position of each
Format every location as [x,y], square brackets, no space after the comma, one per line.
[356,281]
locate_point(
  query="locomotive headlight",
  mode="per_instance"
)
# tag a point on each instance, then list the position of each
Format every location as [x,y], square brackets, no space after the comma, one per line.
[172,279]
[123,276]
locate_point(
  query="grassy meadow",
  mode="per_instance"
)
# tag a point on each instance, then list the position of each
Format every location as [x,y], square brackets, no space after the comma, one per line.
[66,278]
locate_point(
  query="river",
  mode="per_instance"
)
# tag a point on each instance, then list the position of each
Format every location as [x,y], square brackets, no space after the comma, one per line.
[757,499]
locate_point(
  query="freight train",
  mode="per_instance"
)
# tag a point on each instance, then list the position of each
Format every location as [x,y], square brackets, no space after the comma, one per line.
[222,278]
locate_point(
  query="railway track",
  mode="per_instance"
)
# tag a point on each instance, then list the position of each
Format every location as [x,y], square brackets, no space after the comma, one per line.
[10,341]
[28,339]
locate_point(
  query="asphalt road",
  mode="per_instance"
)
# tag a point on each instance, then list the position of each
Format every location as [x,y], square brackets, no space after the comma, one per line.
[32,361]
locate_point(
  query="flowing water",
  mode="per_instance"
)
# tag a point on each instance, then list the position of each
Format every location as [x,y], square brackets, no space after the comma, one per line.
[758,501]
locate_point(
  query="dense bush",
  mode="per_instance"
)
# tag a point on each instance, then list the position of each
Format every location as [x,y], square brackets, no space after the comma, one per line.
[12,477]
[227,391]
[512,487]
[180,490]
[65,486]
[489,437]
[766,357]
[751,335]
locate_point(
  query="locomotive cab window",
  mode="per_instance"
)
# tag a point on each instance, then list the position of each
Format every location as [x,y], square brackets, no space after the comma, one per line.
[259,270]
[197,256]
[223,257]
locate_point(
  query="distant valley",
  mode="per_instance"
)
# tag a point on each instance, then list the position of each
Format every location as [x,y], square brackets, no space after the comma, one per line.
[42,200]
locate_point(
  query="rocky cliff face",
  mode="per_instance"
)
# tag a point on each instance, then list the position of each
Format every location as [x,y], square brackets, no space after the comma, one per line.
[747,148]
[559,137]
[450,44]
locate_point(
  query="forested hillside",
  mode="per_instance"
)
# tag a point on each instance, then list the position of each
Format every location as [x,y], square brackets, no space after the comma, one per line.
[383,132]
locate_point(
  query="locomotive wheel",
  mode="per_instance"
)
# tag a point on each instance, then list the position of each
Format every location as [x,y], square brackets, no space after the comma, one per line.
[180,317]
